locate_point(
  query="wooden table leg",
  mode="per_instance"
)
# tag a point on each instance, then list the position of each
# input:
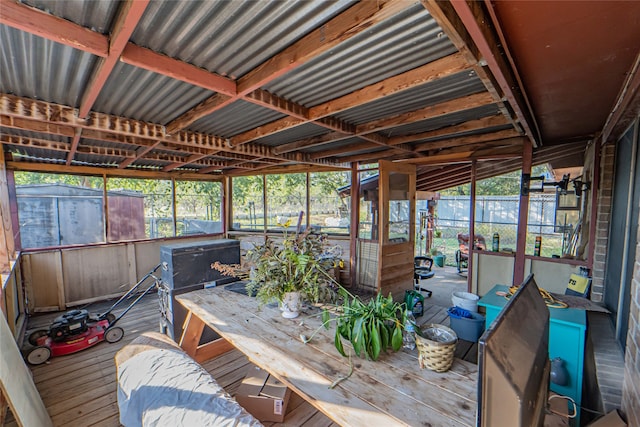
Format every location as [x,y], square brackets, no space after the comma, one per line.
[191,338]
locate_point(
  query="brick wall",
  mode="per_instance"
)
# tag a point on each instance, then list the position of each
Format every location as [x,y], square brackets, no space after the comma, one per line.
[607,160]
[631,386]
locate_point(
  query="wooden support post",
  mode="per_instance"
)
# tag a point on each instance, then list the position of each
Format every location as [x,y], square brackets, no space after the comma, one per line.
[593,202]
[472,225]
[355,217]
[523,216]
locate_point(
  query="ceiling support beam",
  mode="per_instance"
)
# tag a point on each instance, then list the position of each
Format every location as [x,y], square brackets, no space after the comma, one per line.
[74,145]
[42,24]
[469,126]
[477,24]
[49,113]
[627,106]
[353,21]
[130,14]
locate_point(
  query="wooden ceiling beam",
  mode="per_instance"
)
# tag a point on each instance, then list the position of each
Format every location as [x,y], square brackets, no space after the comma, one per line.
[266,130]
[74,145]
[161,64]
[45,25]
[477,25]
[432,71]
[471,125]
[128,17]
[62,115]
[448,20]
[311,142]
[430,112]
[12,122]
[344,26]
[353,21]
[191,159]
[45,144]
[466,140]
[444,171]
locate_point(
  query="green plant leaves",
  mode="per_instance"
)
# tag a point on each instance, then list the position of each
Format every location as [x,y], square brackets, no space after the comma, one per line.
[372,327]
[396,339]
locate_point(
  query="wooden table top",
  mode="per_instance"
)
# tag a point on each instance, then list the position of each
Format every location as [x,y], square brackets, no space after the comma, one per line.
[390,391]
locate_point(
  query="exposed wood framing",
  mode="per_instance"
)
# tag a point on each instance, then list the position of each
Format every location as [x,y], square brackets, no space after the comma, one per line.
[130,13]
[523,218]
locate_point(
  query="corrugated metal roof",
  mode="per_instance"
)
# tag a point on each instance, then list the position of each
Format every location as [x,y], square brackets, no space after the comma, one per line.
[409,39]
[307,130]
[236,118]
[442,121]
[343,143]
[229,37]
[144,95]
[96,15]
[37,68]
[468,133]
[366,151]
[107,144]
[92,160]
[451,87]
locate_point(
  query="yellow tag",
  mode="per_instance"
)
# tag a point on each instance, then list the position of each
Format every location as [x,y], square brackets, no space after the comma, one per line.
[578,283]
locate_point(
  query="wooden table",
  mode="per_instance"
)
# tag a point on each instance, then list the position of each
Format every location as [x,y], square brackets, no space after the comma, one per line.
[390,391]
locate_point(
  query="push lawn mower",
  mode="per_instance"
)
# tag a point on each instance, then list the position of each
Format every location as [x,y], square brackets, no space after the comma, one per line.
[77,329]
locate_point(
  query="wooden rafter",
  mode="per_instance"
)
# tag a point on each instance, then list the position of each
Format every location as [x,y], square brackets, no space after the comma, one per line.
[466,140]
[471,125]
[103,124]
[130,13]
[35,21]
[74,145]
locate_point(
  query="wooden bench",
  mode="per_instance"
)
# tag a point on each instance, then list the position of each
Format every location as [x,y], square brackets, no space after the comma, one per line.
[159,384]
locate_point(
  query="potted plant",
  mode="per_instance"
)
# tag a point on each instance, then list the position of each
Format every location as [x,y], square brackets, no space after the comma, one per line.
[289,272]
[371,327]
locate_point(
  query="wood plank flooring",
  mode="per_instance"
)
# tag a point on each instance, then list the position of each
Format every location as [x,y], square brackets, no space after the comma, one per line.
[80,389]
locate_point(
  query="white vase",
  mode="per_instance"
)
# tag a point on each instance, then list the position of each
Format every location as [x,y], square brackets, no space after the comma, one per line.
[290,305]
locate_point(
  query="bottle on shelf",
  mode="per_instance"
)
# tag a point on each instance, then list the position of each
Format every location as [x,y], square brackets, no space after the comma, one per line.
[538,245]
[496,242]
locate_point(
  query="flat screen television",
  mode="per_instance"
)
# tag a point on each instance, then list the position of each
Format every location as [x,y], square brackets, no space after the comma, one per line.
[513,362]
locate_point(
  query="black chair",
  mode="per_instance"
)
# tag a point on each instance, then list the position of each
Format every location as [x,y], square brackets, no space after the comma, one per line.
[422,271]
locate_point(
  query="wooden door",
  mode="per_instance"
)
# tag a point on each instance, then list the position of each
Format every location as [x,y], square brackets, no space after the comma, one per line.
[396,228]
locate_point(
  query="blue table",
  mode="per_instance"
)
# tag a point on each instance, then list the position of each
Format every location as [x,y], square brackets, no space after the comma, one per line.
[567,333]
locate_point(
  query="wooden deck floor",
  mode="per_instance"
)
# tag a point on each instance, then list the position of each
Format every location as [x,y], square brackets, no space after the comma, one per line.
[80,389]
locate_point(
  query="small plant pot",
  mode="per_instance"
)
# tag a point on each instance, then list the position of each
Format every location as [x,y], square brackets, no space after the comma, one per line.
[439,260]
[290,305]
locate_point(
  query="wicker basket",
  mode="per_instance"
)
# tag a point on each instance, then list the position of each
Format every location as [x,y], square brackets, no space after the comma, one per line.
[436,347]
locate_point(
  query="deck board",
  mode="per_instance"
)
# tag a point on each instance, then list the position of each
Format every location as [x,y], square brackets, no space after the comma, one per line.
[80,389]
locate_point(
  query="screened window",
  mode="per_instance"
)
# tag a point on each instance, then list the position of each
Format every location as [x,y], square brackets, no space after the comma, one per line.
[139,208]
[247,203]
[286,198]
[56,210]
[198,207]
[329,208]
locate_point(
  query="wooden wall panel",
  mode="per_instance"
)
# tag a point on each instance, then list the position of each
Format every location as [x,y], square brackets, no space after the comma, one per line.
[95,271]
[396,276]
[490,270]
[550,275]
[42,280]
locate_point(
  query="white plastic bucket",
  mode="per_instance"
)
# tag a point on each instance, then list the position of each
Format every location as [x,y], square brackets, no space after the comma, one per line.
[465,300]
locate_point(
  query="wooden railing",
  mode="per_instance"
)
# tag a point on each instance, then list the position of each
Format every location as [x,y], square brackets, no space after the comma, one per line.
[12,301]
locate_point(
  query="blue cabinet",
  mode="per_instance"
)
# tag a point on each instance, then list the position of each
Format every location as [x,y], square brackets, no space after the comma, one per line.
[567,332]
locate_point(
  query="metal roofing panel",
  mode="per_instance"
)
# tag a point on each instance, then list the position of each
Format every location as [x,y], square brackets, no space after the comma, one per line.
[37,68]
[39,155]
[307,130]
[401,43]
[94,160]
[229,37]
[107,144]
[236,118]
[331,145]
[142,95]
[442,121]
[468,133]
[451,87]
[96,15]
[366,151]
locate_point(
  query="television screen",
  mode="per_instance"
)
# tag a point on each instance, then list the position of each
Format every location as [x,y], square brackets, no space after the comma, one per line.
[513,362]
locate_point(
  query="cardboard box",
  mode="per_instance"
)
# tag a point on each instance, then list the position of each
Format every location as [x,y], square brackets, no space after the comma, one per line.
[263,396]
